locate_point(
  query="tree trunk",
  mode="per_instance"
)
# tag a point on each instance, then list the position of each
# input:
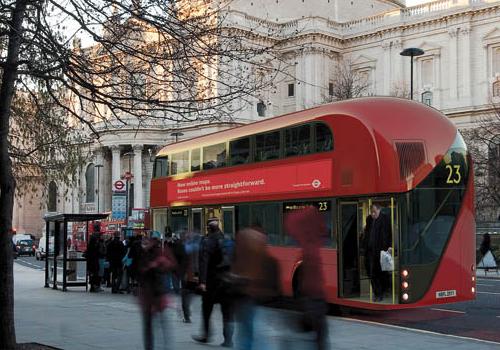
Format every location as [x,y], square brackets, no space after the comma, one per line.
[7,182]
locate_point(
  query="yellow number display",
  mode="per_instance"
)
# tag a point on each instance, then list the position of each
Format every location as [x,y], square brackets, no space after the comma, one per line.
[323,206]
[454,176]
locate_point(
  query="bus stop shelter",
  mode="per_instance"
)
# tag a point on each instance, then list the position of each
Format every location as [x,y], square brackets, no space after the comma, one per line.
[57,256]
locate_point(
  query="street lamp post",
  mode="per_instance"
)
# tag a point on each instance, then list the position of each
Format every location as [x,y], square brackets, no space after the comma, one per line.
[127,176]
[98,166]
[176,134]
[411,52]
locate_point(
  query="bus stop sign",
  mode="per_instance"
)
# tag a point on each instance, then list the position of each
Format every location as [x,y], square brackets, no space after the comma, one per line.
[119,186]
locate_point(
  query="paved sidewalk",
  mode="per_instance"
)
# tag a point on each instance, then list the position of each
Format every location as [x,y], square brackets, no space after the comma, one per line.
[490,274]
[77,320]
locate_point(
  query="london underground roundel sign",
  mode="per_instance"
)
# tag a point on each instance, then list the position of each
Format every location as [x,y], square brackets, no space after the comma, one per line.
[119,185]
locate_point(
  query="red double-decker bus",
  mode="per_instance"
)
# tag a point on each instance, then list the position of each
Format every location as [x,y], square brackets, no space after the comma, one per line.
[341,158]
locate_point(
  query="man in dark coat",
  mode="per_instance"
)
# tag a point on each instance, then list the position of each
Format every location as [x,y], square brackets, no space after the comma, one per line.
[92,256]
[213,265]
[378,237]
[115,253]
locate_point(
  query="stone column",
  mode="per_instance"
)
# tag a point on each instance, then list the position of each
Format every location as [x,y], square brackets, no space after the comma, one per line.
[138,191]
[386,46]
[115,164]
[300,80]
[466,65]
[453,66]
[398,62]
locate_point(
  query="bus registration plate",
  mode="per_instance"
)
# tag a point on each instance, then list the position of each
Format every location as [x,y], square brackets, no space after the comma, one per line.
[446,294]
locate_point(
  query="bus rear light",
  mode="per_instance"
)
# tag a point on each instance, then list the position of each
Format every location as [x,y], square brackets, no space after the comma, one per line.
[405,296]
[473,278]
[473,290]
[473,267]
[405,285]
[405,273]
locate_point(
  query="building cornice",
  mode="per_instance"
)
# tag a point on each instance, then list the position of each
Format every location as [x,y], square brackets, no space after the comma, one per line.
[432,16]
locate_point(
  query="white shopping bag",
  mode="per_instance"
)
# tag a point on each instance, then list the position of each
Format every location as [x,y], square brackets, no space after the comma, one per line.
[386,261]
[488,261]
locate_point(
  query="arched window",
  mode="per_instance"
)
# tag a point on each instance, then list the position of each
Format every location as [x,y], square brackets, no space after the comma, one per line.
[496,88]
[427,98]
[90,185]
[52,202]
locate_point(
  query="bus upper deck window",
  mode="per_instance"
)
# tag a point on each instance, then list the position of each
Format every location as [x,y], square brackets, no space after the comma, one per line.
[179,163]
[195,160]
[161,166]
[267,146]
[324,138]
[298,140]
[239,151]
[214,156]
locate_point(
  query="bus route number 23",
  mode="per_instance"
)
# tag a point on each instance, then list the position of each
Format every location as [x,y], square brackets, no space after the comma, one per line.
[454,176]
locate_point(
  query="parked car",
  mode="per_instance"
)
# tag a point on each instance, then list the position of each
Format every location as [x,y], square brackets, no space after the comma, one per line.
[25,247]
[40,252]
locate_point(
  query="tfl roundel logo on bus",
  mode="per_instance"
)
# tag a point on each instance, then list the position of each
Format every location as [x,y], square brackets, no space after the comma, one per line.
[316,183]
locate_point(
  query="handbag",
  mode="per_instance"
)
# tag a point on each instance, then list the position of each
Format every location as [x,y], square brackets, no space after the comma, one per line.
[386,261]
[126,261]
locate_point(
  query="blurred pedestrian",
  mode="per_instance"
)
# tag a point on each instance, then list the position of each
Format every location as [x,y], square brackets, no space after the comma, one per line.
[307,227]
[254,283]
[187,254]
[114,254]
[107,267]
[152,292]
[135,256]
[172,279]
[92,256]
[214,265]
[102,260]
[485,244]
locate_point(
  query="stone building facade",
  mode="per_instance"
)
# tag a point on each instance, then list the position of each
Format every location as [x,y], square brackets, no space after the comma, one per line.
[459,74]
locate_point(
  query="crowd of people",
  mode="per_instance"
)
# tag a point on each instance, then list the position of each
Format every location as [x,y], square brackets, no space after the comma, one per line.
[239,274]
